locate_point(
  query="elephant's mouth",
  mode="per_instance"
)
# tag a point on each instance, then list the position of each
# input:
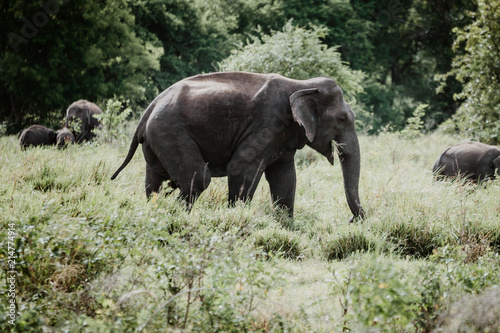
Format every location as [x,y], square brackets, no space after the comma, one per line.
[327,151]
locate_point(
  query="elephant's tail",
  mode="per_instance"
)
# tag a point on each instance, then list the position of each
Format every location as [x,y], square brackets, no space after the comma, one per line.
[139,135]
[131,152]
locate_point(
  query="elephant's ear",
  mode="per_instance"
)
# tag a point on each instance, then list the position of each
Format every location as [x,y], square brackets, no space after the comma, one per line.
[303,106]
[89,117]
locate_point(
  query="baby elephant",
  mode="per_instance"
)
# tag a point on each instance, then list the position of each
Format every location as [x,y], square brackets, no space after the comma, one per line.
[64,137]
[474,160]
[37,135]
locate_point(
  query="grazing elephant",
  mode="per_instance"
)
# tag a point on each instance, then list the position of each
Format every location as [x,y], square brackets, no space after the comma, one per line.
[37,135]
[474,160]
[242,125]
[64,137]
[80,118]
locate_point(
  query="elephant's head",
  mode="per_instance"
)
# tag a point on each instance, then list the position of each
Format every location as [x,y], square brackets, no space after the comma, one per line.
[326,117]
[80,119]
[64,137]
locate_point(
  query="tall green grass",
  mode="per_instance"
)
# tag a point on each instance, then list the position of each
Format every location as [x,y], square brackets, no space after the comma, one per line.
[95,255]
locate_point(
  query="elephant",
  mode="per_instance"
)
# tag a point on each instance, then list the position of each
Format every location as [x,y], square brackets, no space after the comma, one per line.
[243,125]
[80,119]
[64,137]
[475,160]
[37,135]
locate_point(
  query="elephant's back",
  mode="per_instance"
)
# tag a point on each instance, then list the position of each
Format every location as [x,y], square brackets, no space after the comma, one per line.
[208,103]
[82,105]
[468,148]
[37,135]
[462,158]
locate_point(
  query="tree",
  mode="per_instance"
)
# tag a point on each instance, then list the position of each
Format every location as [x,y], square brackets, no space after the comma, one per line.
[56,52]
[477,67]
[399,44]
[408,42]
[297,53]
[193,35]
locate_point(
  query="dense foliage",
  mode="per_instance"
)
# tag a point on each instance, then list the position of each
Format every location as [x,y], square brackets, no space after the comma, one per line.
[478,67]
[296,53]
[57,51]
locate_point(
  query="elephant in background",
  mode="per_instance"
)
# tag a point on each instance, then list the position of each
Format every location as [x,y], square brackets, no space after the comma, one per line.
[64,137]
[80,119]
[37,135]
[475,160]
[243,125]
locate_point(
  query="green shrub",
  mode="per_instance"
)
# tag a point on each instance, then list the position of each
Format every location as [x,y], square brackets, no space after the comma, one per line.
[278,242]
[390,297]
[296,53]
[415,124]
[339,247]
[413,238]
[477,53]
[472,313]
[113,120]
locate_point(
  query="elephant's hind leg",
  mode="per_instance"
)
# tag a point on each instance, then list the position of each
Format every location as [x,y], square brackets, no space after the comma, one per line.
[155,172]
[194,182]
[187,167]
[154,180]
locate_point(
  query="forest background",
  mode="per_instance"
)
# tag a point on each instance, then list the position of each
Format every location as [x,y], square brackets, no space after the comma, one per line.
[404,56]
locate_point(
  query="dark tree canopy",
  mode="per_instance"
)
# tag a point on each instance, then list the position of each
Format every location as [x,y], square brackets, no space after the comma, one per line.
[57,51]
[478,68]
[61,51]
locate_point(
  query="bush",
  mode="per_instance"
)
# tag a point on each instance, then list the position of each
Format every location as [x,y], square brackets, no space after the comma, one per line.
[415,124]
[279,242]
[389,297]
[112,119]
[339,247]
[472,313]
[296,53]
[478,117]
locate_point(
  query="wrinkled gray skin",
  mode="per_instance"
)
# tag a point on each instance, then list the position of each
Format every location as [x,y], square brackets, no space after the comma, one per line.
[82,112]
[64,137]
[474,160]
[243,125]
[37,135]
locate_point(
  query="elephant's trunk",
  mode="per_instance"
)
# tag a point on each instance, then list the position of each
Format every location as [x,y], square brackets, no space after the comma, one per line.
[349,155]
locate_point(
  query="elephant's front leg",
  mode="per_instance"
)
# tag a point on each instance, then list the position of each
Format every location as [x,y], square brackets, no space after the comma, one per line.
[243,179]
[282,181]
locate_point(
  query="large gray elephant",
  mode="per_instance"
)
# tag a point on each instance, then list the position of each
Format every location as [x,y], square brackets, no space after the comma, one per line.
[37,135]
[242,125]
[80,119]
[64,137]
[474,160]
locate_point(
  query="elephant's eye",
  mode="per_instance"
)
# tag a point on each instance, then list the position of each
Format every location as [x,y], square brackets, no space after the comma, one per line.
[341,120]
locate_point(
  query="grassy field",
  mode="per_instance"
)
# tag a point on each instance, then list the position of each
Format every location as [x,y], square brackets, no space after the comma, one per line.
[94,256]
